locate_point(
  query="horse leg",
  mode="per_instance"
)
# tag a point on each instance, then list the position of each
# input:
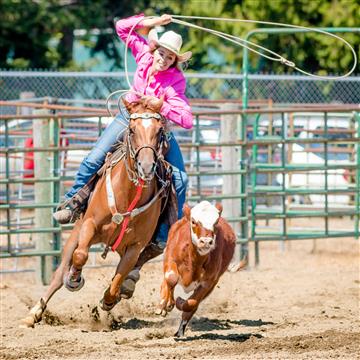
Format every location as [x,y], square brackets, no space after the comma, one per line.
[112,294]
[73,280]
[56,283]
[171,278]
[128,286]
[189,306]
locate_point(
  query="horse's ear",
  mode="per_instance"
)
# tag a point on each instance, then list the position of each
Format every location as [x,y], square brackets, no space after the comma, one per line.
[127,104]
[186,211]
[155,104]
[219,207]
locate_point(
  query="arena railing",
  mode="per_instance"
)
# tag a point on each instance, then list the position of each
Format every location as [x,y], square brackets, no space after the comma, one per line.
[250,144]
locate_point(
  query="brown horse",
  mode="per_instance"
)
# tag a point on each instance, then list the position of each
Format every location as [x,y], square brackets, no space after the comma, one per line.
[144,143]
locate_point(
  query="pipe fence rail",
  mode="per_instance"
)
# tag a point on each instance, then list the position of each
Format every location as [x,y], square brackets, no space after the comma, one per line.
[269,166]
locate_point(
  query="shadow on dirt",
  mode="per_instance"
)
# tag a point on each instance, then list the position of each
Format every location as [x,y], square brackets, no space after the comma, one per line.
[131,324]
[228,337]
[136,323]
[198,324]
[206,324]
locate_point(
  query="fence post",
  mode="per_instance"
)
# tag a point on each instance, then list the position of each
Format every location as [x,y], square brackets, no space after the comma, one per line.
[25,96]
[230,162]
[43,195]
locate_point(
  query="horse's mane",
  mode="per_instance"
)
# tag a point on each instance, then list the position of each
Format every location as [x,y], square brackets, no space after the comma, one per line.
[142,105]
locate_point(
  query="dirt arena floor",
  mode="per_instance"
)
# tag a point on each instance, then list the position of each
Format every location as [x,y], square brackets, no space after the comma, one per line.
[297,304]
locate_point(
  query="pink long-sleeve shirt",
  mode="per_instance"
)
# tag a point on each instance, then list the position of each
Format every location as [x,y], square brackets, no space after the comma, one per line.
[170,83]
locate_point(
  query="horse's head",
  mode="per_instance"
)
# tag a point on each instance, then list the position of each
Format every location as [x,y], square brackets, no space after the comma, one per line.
[146,135]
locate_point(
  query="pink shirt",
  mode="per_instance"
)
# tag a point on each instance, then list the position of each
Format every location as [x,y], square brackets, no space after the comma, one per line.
[170,83]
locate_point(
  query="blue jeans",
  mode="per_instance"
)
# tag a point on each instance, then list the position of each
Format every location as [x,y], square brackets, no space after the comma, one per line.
[95,159]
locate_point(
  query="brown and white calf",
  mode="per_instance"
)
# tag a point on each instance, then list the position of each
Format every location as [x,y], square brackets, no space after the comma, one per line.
[199,249]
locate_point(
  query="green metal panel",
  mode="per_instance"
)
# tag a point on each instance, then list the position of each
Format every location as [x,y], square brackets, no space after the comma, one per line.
[283,140]
[357,194]
[250,213]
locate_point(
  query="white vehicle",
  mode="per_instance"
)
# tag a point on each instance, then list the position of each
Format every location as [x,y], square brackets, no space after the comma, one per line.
[312,126]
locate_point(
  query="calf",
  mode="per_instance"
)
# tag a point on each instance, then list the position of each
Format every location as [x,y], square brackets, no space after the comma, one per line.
[199,249]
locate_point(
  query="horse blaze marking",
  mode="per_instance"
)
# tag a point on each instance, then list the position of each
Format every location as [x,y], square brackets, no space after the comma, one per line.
[146,123]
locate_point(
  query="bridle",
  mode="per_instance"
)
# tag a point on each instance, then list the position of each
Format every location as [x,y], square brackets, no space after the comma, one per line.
[134,175]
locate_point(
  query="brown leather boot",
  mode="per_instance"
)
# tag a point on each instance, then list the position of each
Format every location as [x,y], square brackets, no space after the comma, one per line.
[71,209]
[67,212]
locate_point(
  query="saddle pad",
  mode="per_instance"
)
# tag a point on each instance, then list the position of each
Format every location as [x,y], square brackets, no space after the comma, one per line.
[113,158]
[169,206]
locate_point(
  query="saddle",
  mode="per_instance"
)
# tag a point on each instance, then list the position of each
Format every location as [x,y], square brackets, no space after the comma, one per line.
[169,211]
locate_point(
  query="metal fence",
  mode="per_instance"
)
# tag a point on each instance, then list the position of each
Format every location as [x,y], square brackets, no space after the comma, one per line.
[291,163]
[90,85]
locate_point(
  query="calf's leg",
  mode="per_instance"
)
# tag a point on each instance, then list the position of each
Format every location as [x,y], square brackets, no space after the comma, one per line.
[189,306]
[171,278]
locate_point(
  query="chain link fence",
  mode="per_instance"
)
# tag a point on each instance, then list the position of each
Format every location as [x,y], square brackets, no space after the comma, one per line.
[281,89]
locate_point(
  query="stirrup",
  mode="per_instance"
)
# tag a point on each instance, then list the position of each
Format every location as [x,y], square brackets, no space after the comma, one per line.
[69,211]
[66,215]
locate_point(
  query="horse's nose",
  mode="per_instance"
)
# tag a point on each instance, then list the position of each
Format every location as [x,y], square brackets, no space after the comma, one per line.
[146,168]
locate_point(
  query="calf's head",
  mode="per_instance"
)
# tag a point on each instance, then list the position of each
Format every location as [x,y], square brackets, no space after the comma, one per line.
[203,219]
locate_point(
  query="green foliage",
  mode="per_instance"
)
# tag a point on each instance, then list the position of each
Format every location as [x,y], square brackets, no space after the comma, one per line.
[40,33]
[310,51]
[28,29]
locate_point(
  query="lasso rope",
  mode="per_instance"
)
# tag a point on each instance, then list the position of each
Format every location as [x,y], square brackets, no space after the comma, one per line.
[251,46]
[242,42]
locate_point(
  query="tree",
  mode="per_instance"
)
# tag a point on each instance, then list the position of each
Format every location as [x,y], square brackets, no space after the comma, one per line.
[310,51]
[39,33]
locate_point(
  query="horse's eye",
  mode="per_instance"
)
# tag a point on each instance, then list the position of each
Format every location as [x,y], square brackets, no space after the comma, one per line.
[161,134]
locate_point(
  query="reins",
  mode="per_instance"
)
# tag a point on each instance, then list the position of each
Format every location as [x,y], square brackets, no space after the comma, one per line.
[134,177]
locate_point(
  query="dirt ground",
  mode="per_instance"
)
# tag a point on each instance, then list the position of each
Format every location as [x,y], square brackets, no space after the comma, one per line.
[297,304]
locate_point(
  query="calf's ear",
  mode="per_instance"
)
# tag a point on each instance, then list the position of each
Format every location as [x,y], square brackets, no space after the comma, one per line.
[219,207]
[186,211]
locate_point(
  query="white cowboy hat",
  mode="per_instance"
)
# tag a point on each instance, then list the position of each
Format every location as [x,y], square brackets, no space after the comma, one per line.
[169,40]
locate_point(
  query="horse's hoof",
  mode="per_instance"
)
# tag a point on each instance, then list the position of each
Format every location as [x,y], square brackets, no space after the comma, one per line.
[28,322]
[73,285]
[158,311]
[107,307]
[127,288]
[34,316]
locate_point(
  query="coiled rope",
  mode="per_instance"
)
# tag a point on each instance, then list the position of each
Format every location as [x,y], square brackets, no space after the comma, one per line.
[251,46]
[244,43]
